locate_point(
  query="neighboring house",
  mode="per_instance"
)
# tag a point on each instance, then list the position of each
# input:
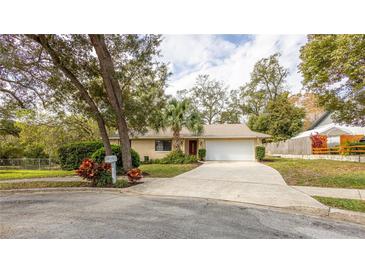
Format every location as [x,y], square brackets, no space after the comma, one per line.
[222,142]
[326,126]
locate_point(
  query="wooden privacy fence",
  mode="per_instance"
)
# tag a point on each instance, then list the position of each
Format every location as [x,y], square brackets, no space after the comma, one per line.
[300,146]
[341,150]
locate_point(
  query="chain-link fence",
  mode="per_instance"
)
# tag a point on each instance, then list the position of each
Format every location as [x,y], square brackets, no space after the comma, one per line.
[29,163]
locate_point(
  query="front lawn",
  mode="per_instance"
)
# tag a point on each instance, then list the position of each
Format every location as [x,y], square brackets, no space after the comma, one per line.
[43,184]
[320,173]
[121,183]
[9,174]
[348,204]
[166,170]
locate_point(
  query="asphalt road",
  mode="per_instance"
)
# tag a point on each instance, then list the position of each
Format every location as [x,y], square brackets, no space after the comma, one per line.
[114,215]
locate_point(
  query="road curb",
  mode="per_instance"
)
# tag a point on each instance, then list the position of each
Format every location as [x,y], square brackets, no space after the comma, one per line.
[347,215]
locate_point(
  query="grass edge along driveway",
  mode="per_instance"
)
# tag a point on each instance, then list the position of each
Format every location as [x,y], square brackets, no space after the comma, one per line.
[320,173]
[347,204]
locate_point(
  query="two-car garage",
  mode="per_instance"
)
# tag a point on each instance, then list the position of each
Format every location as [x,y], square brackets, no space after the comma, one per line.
[230,150]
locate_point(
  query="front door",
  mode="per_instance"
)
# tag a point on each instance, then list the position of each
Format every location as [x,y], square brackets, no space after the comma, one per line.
[193,147]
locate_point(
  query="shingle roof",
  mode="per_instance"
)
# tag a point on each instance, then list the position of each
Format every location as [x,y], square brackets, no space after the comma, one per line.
[210,131]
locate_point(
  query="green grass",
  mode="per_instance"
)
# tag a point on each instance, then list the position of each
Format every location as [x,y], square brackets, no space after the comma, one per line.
[348,204]
[320,173]
[9,174]
[44,184]
[4,186]
[166,170]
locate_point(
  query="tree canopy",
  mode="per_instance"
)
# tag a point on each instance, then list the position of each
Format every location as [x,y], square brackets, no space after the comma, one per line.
[333,66]
[208,96]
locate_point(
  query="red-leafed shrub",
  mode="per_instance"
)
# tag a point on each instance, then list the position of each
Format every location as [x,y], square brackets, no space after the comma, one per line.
[134,174]
[318,141]
[98,174]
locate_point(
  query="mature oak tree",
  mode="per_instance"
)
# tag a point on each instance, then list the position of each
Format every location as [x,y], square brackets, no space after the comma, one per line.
[71,77]
[209,96]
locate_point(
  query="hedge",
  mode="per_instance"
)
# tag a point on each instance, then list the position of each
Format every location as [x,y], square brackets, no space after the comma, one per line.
[99,155]
[72,155]
[176,157]
[260,152]
[202,152]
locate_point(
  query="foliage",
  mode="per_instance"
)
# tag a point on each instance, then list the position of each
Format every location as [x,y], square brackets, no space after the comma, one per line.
[176,157]
[266,84]
[281,119]
[63,72]
[121,183]
[260,152]
[202,152]
[208,96]
[53,131]
[35,151]
[134,174]
[354,150]
[71,155]
[318,141]
[98,174]
[333,67]
[8,127]
[99,156]
[11,149]
[176,115]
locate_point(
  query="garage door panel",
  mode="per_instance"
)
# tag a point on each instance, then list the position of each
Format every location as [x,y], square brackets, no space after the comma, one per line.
[230,150]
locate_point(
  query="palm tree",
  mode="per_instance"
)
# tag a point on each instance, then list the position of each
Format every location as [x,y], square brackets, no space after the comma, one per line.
[179,114]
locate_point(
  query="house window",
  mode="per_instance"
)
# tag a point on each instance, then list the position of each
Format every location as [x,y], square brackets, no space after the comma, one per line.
[163,145]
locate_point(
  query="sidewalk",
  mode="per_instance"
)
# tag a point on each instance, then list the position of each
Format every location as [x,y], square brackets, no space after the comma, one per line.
[345,193]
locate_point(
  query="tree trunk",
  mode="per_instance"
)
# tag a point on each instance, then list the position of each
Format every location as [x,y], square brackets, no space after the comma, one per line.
[41,39]
[176,140]
[114,95]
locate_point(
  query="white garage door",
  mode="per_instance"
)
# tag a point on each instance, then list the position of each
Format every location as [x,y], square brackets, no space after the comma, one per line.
[230,150]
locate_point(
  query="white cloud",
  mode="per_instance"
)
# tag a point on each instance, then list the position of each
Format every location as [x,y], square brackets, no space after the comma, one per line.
[191,55]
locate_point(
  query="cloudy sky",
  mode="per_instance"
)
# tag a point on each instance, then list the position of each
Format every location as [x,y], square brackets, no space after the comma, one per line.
[228,58]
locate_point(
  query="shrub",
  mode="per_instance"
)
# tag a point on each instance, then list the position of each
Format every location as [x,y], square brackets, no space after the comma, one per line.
[202,152]
[134,174]
[260,153]
[176,157]
[355,150]
[35,151]
[98,174]
[121,183]
[99,156]
[72,155]
[10,150]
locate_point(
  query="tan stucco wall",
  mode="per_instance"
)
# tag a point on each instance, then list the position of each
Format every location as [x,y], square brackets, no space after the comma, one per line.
[114,142]
[147,148]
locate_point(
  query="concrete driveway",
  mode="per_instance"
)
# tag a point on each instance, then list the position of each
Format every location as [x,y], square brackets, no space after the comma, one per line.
[247,182]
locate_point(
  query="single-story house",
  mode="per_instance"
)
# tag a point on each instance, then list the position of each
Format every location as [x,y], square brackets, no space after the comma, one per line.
[221,141]
[334,131]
